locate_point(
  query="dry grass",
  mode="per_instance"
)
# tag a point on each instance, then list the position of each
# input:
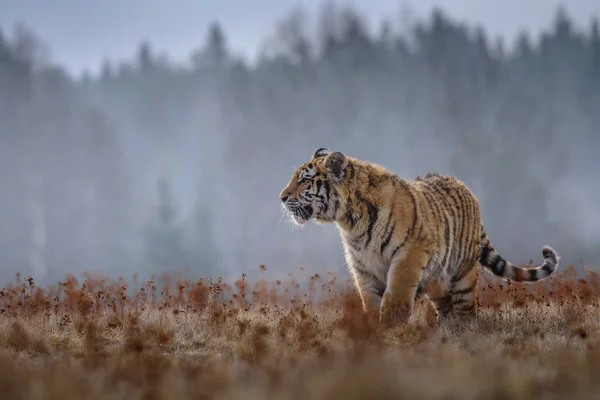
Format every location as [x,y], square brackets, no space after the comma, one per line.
[100,339]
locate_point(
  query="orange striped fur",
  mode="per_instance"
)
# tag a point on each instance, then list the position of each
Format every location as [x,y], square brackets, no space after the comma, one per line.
[403,238]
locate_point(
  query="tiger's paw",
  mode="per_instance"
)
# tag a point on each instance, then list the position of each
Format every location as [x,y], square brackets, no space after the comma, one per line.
[394,311]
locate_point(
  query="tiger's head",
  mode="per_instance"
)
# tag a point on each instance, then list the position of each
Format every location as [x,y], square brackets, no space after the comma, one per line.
[315,188]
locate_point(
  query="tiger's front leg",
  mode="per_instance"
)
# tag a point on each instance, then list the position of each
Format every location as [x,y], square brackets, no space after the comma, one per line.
[369,288]
[399,297]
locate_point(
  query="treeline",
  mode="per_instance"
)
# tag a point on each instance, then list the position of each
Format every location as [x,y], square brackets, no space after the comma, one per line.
[152,165]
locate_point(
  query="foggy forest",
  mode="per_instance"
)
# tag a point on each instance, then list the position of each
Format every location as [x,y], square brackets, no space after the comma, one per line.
[151,166]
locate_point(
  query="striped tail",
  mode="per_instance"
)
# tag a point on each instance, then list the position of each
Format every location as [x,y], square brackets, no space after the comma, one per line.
[493,261]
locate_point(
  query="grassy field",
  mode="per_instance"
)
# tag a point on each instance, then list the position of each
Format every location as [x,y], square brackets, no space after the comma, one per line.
[281,340]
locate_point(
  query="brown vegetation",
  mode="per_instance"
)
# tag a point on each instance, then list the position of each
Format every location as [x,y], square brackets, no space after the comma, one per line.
[207,339]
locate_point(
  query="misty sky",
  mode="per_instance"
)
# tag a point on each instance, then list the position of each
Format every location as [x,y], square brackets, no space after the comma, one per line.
[81,33]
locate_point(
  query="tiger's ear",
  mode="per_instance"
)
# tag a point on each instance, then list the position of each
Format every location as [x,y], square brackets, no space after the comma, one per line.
[336,165]
[323,151]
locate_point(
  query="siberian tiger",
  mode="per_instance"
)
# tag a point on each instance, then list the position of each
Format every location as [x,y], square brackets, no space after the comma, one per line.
[403,238]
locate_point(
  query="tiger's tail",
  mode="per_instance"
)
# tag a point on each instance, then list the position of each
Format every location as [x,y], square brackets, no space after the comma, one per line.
[493,261]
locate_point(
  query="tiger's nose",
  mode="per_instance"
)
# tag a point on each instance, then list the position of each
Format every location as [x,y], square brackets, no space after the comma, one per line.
[284,198]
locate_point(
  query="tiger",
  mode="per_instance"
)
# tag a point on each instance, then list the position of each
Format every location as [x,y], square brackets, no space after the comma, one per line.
[403,238]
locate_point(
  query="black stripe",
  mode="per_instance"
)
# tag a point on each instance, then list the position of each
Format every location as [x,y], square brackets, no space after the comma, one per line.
[431,200]
[366,273]
[380,290]
[470,239]
[443,219]
[373,212]
[482,239]
[354,241]
[398,247]
[323,151]
[446,243]
[419,291]
[484,254]
[461,230]
[443,305]
[373,180]
[362,269]
[498,265]
[470,307]
[414,220]
[351,171]
[387,239]
[454,219]
[547,268]
[418,234]
[359,265]
[460,301]
[474,241]
[350,216]
[460,275]
[470,253]
[467,290]
[436,199]
[533,275]
[336,206]
[353,219]
[327,190]
[386,230]
[547,253]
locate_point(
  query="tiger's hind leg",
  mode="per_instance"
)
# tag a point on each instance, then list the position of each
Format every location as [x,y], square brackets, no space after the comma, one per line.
[438,293]
[429,313]
[464,292]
